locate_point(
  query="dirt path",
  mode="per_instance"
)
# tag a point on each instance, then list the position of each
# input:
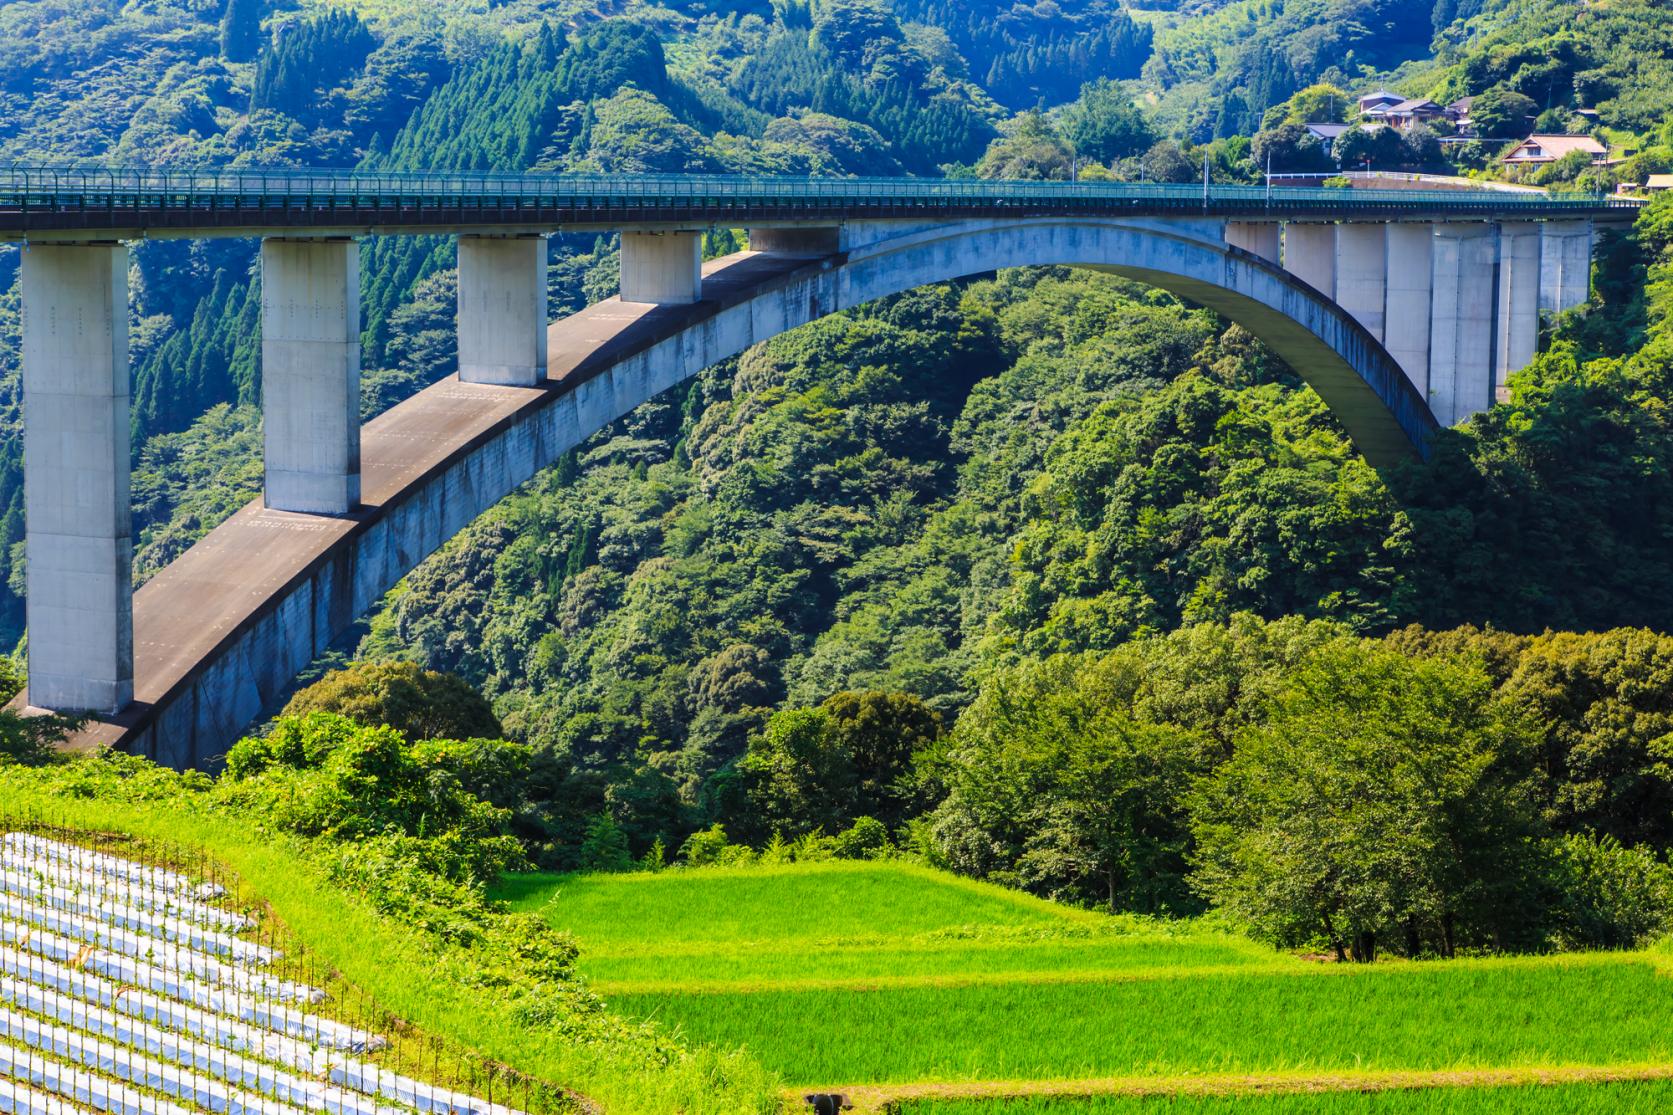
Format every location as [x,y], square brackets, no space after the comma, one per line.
[883,1099]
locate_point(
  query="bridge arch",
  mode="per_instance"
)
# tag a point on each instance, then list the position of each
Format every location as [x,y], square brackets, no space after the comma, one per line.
[214,654]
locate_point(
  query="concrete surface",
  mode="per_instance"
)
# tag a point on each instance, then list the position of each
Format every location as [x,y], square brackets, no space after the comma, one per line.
[79,540]
[502,310]
[1461,320]
[1310,255]
[662,267]
[1409,253]
[310,374]
[1517,339]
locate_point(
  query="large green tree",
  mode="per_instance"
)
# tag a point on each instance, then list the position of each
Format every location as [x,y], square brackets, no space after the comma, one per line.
[1378,802]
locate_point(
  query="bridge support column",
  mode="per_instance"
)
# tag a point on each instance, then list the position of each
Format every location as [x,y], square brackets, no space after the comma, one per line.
[310,374]
[1461,316]
[1310,255]
[1262,238]
[1517,339]
[1362,274]
[662,267]
[79,541]
[1409,251]
[1565,265]
[502,310]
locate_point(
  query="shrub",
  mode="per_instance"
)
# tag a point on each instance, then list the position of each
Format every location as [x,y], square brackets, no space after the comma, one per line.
[418,703]
[1608,895]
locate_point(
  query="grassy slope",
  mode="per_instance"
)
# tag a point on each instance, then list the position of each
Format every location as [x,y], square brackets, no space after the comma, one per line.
[878,973]
[396,968]
[841,926]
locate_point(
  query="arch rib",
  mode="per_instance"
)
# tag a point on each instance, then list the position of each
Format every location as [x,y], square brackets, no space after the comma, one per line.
[224,629]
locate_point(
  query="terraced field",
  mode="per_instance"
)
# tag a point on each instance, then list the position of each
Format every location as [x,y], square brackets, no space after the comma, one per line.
[909,989]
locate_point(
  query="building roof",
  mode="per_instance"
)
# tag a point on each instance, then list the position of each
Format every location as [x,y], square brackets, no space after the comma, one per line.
[1416,104]
[1327,130]
[1382,95]
[1461,105]
[1553,147]
[1659,182]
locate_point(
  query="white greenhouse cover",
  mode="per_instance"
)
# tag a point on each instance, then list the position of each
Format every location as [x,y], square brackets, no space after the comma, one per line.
[125,991]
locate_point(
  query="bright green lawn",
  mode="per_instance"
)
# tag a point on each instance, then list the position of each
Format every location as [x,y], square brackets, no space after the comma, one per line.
[783,905]
[1564,1099]
[848,921]
[1409,1016]
[859,973]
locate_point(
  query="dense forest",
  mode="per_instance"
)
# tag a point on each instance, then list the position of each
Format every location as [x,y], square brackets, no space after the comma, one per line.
[1044,576]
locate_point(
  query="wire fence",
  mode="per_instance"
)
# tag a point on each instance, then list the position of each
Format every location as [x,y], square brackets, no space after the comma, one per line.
[140,977]
[66,190]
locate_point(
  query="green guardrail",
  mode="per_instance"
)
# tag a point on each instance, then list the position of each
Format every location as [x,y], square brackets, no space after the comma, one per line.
[70,189]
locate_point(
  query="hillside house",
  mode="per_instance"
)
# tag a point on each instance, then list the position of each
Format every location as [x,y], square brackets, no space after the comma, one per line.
[1409,114]
[1538,150]
[1379,101]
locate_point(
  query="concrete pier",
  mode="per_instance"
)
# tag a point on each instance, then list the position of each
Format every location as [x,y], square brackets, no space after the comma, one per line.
[502,310]
[662,268]
[1409,254]
[1517,339]
[1263,238]
[1362,274]
[1310,255]
[1461,317]
[310,374]
[75,439]
[1565,265]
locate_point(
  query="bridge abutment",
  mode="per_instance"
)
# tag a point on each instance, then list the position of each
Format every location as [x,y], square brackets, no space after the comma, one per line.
[502,310]
[662,267]
[78,540]
[310,374]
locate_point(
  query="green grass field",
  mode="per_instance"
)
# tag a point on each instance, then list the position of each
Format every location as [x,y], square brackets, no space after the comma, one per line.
[888,975]
[1628,1098]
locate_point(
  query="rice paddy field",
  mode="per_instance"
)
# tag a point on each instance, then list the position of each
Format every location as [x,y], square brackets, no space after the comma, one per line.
[918,992]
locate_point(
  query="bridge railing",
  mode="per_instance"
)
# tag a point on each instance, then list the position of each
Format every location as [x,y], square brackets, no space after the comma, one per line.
[32,189]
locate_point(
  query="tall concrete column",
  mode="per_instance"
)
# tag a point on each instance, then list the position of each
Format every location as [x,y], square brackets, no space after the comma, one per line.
[1262,238]
[1565,265]
[310,374]
[1362,273]
[1310,255]
[79,541]
[1407,290]
[662,267]
[1461,316]
[1517,337]
[502,309]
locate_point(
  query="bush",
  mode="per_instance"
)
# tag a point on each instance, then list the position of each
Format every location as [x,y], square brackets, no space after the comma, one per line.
[418,703]
[867,839]
[1608,895]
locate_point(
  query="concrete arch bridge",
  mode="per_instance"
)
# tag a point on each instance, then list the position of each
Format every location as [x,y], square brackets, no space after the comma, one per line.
[1404,309]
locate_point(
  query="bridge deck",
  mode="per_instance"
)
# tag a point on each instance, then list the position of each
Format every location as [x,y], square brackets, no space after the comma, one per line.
[200,602]
[123,203]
